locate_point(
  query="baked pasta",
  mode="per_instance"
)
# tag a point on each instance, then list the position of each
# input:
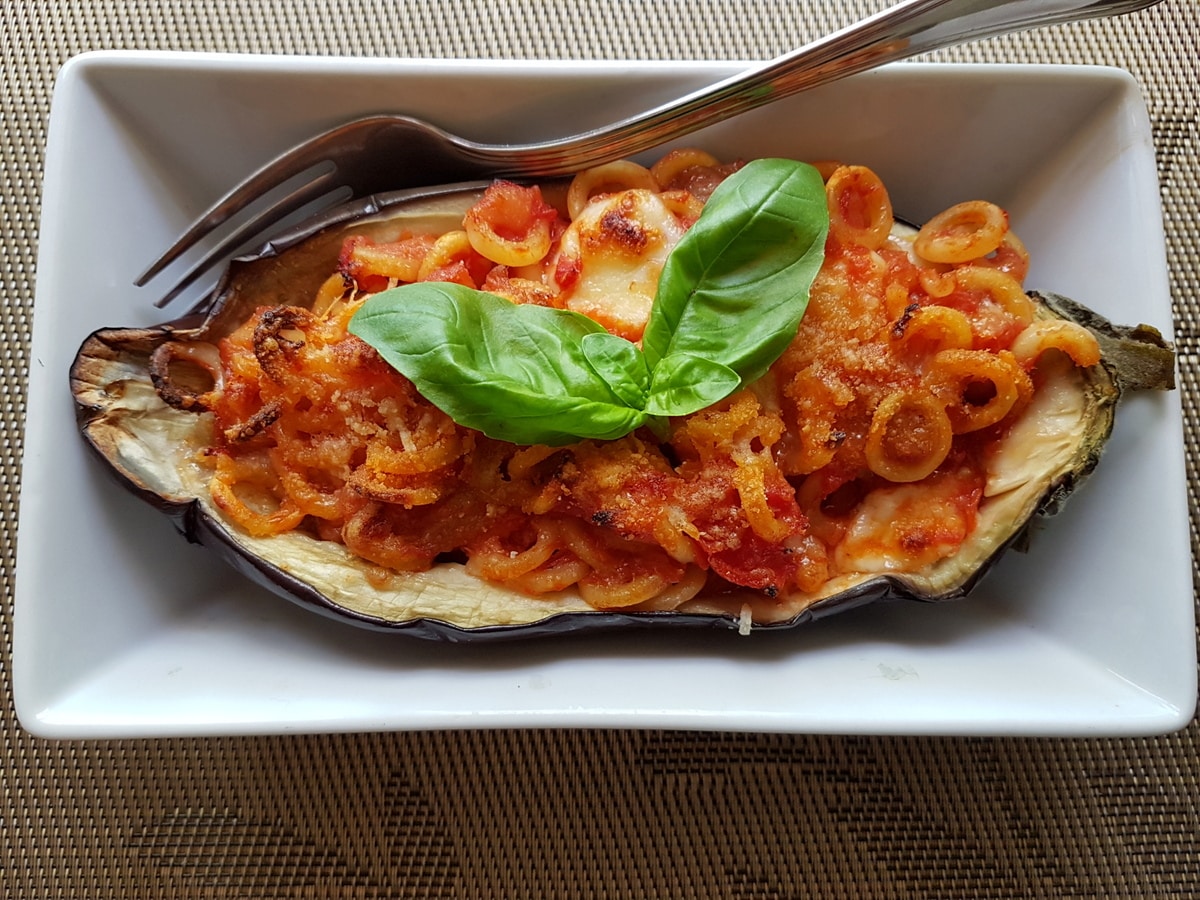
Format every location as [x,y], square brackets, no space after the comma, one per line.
[891,431]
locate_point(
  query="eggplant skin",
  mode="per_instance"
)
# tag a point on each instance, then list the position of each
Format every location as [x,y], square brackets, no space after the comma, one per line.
[150,447]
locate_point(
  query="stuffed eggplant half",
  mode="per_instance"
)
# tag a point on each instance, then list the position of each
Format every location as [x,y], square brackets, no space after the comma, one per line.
[731,395]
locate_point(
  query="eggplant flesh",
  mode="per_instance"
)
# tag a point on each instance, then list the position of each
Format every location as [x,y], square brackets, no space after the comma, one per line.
[151,447]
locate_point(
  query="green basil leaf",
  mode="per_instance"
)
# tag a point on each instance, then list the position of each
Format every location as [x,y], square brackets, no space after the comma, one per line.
[621,364]
[734,289]
[730,298]
[684,384]
[515,372]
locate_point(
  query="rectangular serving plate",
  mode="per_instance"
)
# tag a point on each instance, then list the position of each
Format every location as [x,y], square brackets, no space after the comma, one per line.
[122,629]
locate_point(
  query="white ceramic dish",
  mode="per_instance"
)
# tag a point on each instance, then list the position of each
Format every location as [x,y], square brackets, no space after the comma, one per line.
[122,629]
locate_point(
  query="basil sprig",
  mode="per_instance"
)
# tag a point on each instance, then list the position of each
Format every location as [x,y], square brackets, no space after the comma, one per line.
[731,295]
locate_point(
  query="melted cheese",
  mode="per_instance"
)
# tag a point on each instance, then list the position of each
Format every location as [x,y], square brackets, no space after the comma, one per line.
[1041,441]
[611,257]
[902,527]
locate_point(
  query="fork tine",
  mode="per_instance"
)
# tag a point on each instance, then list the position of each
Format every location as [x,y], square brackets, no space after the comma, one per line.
[324,184]
[274,173]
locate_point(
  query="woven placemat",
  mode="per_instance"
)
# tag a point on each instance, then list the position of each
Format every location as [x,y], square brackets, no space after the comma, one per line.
[576,813]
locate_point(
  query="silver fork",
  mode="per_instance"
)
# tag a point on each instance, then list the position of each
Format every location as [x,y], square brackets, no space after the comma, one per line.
[391,152]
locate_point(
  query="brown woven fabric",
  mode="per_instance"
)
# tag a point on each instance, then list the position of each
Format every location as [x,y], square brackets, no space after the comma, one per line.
[577,813]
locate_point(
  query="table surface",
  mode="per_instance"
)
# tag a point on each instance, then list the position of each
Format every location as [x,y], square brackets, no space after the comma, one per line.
[577,813]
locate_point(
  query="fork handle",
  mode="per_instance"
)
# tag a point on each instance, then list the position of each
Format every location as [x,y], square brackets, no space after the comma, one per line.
[907,29]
